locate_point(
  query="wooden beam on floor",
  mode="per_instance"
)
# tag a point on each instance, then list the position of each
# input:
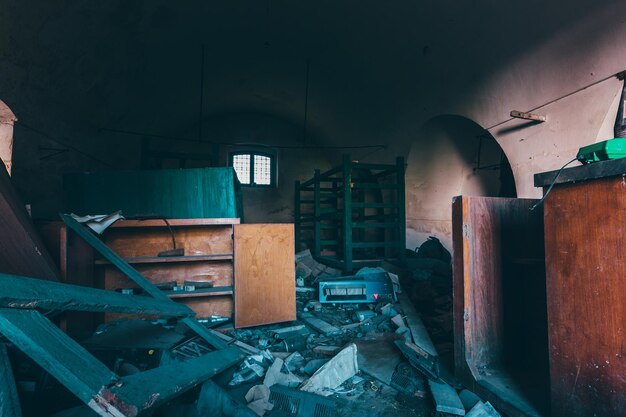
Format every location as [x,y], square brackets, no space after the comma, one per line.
[93,383]
[31,293]
[56,352]
[446,399]
[139,279]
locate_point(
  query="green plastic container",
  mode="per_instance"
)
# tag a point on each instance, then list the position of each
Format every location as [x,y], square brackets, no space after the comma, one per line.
[602,151]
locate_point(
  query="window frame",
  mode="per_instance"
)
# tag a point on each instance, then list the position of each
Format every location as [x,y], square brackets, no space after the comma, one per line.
[252,153]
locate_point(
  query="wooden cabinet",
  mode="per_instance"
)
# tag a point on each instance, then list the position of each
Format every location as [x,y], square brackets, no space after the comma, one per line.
[251,267]
[585,232]
[208,257]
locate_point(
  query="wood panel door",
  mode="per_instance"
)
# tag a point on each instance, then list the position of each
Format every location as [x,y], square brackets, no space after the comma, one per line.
[500,325]
[264,274]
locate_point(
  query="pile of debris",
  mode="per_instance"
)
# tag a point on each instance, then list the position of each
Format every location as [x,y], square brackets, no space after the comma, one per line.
[358,340]
[359,346]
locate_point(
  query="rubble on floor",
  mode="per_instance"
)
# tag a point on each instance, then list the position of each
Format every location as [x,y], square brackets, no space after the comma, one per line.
[381,358]
[375,358]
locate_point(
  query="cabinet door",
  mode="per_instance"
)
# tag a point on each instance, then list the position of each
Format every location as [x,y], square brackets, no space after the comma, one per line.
[264,274]
[500,325]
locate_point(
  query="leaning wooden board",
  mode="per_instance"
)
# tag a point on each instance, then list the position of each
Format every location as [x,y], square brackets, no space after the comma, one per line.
[22,251]
[264,274]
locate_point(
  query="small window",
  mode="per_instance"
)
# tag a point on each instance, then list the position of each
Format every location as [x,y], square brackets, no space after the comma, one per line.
[254,168]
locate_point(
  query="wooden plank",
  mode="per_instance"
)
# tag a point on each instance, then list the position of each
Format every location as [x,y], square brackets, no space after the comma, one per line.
[175,222]
[221,305]
[144,391]
[220,273]
[31,293]
[528,116]
[22,252]
[264,274]
[170,259]
[585,239]
[319,325]
[148,242]
[419,332]
[92,382]
[55,352]
[9,401]
[446,399]
[250,350]
[139,279]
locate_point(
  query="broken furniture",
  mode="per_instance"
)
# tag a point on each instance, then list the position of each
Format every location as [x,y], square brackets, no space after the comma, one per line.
[208,258]
[262,269]
[352,215]
[93,383]
[171,193]
[585,270]
[500,323]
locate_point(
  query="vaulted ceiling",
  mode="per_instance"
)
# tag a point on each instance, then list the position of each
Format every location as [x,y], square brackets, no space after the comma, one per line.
[136,65]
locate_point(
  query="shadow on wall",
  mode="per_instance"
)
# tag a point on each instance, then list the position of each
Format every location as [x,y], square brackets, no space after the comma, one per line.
[451,156]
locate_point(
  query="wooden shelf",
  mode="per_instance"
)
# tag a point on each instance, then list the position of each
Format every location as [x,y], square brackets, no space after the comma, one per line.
[202,292]
[175,222]
[172,259]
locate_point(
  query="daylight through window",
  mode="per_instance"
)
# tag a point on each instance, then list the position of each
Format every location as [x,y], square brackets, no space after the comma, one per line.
[254,168]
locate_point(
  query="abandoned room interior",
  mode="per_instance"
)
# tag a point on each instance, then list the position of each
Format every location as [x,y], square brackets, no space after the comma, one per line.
[312,209]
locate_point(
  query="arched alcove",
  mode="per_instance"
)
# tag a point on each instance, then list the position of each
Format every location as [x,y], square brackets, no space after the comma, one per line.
[451,155]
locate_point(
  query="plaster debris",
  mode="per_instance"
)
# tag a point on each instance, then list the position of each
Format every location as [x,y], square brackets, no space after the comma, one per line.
[334,373]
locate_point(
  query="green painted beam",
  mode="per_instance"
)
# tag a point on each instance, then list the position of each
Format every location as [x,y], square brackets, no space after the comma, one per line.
[93,383]
[149,389]
[55,352]
[135,276]
[9,401]
[32,293]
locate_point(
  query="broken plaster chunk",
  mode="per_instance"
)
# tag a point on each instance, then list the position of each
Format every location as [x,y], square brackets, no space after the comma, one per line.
[388,310]
[334,373]
[275,375]
[258,392]
[294,361]
[313,365]
[260,406]
[405,332]
[483,410]
[398,320]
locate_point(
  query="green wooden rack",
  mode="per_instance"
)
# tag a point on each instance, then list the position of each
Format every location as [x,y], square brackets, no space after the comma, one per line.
[352,215]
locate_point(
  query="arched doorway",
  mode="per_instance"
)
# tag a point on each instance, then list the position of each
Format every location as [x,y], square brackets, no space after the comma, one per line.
[450,156]
[7,118]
